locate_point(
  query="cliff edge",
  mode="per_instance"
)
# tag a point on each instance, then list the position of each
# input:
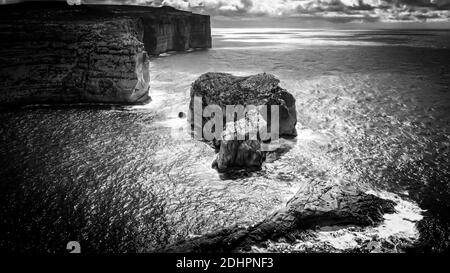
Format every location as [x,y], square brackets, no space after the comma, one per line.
[51,52]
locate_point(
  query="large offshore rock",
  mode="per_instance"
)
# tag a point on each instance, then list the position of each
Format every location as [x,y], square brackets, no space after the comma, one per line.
[55,53]
[259,90]
[262,89]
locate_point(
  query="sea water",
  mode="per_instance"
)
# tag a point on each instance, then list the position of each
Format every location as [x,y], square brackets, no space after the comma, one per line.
[373,109]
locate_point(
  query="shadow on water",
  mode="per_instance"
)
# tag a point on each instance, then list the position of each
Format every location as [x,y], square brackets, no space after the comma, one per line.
[39,215]
[237,173]
[47,201]
[80,106]
[286,143]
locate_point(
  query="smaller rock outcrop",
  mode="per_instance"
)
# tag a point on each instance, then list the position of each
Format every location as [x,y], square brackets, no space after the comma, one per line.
[236,149]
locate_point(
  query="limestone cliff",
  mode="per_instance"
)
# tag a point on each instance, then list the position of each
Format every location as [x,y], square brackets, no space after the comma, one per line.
[51,52]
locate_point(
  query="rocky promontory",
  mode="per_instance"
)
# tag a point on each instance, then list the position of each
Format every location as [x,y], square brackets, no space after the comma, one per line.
[315,205]
[52,52]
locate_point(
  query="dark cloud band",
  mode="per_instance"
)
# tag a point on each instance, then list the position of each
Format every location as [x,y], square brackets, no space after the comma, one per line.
[347,10]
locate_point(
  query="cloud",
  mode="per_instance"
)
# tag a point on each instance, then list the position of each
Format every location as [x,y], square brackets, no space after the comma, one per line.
[331,10]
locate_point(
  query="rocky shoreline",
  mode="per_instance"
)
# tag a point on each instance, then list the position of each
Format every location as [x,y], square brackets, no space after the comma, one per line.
[55,53]
[322,204]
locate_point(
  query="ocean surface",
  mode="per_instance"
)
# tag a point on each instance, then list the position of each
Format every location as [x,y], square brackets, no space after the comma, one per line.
[373,109]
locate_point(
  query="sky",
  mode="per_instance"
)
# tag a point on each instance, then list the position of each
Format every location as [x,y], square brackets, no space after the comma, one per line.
[413,13]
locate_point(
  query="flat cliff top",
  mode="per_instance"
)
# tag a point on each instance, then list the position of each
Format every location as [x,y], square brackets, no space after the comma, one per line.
[61,11]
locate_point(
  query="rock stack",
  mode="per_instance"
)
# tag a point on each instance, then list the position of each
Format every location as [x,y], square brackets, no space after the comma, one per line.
[235,148]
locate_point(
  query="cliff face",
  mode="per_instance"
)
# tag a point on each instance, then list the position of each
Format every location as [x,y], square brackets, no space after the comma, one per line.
[177,33]
[56,53]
